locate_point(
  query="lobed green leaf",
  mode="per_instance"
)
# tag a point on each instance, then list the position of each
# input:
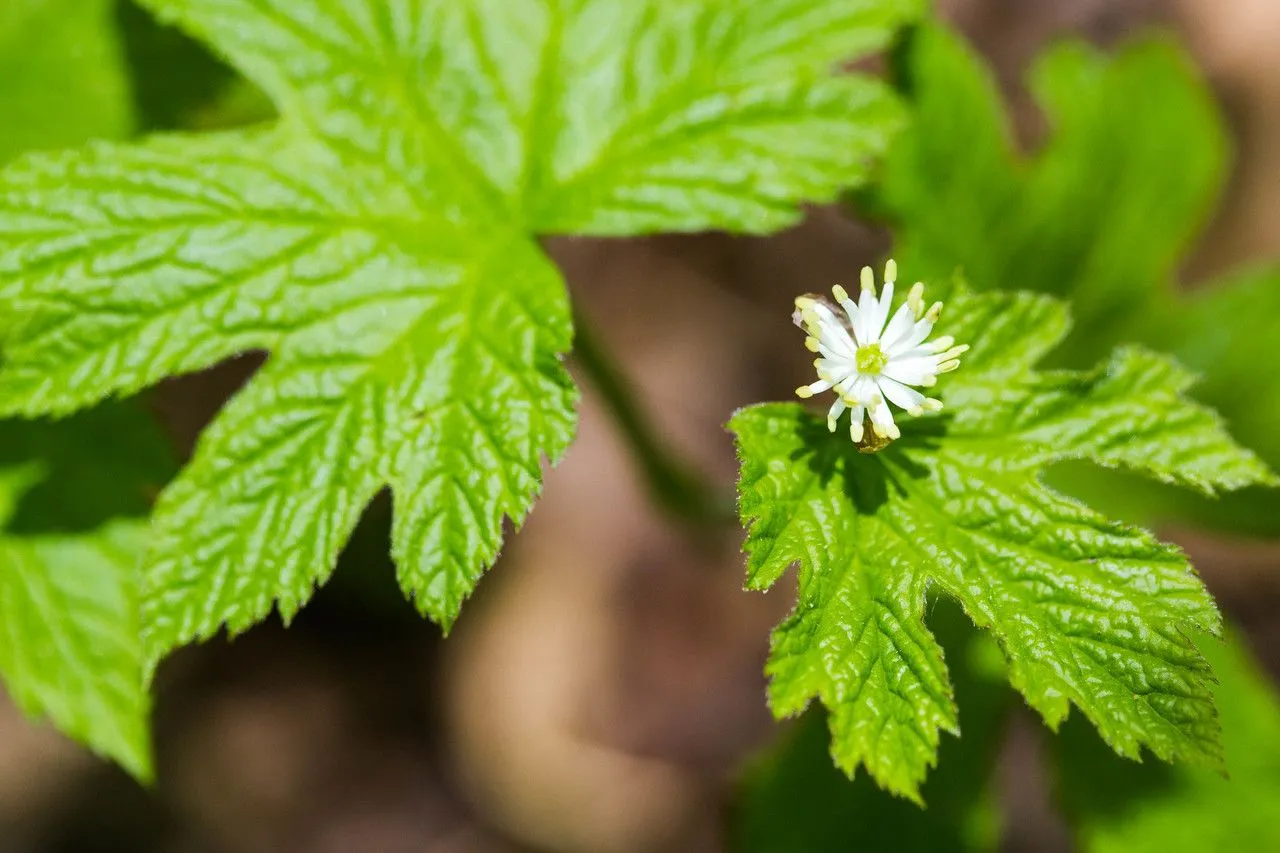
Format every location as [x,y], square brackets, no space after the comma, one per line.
[792,798]
[1087,611]
[379,242]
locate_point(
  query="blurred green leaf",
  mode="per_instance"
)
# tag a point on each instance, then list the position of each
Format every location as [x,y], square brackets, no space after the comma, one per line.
[1122,807]
[178,82]
[62,76]
[73,496]
[794,799]
[1224,331]
[1101,213]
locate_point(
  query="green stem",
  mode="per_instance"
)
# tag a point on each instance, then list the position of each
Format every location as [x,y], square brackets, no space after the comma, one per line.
[673,485]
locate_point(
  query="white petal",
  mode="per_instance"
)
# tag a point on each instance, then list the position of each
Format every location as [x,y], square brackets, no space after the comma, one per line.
[886,302]
[882,418]
[857,417]
[911,371]
[900,395]
[851,311]
[833,415]
[868,307]
[915,337]
[819,386]
[862,389]
[837,367]
[832,333]
[830,353]
[899,328]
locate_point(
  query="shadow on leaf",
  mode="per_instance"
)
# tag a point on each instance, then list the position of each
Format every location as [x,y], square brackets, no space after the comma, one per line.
[867,477]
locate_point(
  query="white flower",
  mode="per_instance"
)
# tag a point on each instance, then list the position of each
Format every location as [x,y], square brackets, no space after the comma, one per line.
[870,364]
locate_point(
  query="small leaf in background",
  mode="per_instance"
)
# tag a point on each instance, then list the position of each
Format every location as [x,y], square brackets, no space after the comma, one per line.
[1225,331]
[1103,212]
[1120,807]
[380,243]
[73,533]
[62,77]
[176,81]
[793,799]
[1088,611]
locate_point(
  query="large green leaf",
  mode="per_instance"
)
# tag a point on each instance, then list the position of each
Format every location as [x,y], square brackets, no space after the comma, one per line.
[379,241]
[1088,611]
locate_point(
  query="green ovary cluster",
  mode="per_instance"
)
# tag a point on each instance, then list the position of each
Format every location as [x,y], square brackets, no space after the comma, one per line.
[871,359]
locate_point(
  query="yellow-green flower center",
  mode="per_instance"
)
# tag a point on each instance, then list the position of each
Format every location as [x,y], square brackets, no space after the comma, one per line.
[871,359]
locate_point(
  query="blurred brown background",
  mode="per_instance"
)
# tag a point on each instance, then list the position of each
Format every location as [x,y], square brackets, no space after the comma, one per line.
[599,693]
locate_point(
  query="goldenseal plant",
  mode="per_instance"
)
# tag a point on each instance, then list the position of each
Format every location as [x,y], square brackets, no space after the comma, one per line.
[383,247]
[1087,611]
[867,362]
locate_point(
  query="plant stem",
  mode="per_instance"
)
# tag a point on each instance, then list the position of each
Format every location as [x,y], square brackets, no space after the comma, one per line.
[673,485]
